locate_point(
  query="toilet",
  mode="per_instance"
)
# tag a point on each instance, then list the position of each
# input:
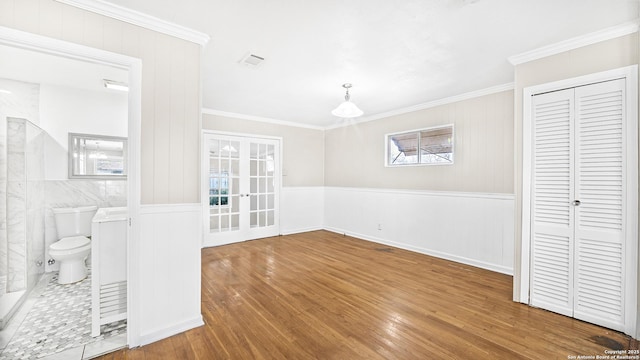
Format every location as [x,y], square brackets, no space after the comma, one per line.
[73,226]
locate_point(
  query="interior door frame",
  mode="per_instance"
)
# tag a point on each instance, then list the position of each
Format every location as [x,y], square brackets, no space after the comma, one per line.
[630,74]
[39,43]
[204,178]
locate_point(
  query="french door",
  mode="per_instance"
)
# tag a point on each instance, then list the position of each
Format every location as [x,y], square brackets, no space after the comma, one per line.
[241,183]
[579,203]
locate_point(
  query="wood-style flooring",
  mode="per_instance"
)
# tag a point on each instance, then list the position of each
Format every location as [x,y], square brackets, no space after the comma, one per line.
[321,295]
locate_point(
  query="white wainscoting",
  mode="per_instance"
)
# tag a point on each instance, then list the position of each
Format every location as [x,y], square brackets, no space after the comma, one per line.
[171,239]
[301,209]
[470,228]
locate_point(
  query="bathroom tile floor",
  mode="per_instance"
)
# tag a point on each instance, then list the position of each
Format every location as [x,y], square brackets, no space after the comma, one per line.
[58,325]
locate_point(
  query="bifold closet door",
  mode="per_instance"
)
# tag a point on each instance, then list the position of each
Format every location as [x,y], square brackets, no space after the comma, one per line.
[578,203]
[600,217]
[552,193]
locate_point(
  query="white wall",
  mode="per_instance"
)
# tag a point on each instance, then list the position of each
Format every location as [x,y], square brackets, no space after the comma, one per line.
[168,233]
[64,110]
[301,209]
[470,228]
[483,149]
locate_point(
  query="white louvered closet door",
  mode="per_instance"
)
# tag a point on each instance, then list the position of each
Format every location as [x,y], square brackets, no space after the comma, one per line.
[600,188]
[578,203]
[552,193]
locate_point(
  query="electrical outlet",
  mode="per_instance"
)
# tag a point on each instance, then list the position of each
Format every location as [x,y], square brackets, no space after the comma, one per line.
[379,226]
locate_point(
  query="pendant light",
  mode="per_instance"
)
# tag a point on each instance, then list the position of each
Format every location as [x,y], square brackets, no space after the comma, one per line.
[347,109]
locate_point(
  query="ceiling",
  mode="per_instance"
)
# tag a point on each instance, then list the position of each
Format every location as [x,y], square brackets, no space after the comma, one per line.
[396,53]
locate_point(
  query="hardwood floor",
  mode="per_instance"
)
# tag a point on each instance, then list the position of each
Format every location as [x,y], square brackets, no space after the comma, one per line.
[321,295]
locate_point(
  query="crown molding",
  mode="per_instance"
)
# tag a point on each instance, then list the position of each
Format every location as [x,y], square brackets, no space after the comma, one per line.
[430,104]
[576,42]
[140,19]
[259,118]
[444,101]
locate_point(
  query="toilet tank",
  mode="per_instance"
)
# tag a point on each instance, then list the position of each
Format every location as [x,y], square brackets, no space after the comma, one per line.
[74,221]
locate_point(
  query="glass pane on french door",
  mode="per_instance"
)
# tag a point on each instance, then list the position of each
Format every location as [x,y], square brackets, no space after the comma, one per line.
[224,185]
[262,185]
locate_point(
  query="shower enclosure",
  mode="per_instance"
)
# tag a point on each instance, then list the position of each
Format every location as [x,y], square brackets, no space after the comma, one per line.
[22,230]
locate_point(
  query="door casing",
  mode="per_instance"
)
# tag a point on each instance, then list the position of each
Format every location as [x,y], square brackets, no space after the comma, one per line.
[208,134]
[630,73]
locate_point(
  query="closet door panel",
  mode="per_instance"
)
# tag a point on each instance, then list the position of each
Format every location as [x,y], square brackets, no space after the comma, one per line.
[600,187]
[552,193]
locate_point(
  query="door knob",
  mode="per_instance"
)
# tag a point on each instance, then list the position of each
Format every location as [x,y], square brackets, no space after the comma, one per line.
[575,203]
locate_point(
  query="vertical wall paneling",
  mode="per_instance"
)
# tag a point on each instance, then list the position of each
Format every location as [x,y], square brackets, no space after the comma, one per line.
[147,134]
[301,209]
[177,128]
[6,13]
[428,222]
[50,15]
[162,120]
[72,25]
[354,155]
[192,96]
[113,35]
[26,15]
[169,307]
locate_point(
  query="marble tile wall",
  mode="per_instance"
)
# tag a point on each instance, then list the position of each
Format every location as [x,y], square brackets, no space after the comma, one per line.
[20,100]
[34,167]
[74,193]
[25,204]
[16,205]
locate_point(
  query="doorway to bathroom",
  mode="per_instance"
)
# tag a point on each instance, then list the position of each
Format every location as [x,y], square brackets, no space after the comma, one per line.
[241,187]
[46,87]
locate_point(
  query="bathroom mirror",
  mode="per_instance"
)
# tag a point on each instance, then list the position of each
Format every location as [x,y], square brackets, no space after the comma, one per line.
[97,157]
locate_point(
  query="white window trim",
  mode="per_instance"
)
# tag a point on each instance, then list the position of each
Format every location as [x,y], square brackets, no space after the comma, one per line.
[386,146]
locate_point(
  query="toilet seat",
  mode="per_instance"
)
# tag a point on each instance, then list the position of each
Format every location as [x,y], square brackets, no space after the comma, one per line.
[70,243]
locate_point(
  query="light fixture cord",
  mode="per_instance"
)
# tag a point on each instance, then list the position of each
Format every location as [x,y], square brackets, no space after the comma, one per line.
[347,96]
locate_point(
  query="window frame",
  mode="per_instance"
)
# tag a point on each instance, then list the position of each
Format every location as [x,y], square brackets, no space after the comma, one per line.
[417,132]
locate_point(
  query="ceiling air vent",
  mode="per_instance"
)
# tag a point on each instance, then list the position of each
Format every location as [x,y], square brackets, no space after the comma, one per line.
[251,60]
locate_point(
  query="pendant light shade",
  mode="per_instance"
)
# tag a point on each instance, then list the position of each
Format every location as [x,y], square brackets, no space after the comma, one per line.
[347,109]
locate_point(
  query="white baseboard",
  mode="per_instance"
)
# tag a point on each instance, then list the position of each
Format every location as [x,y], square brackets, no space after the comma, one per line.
[438,254]
[301,230]
[159,334]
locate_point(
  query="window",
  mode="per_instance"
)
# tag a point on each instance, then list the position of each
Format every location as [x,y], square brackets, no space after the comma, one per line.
[432,146]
